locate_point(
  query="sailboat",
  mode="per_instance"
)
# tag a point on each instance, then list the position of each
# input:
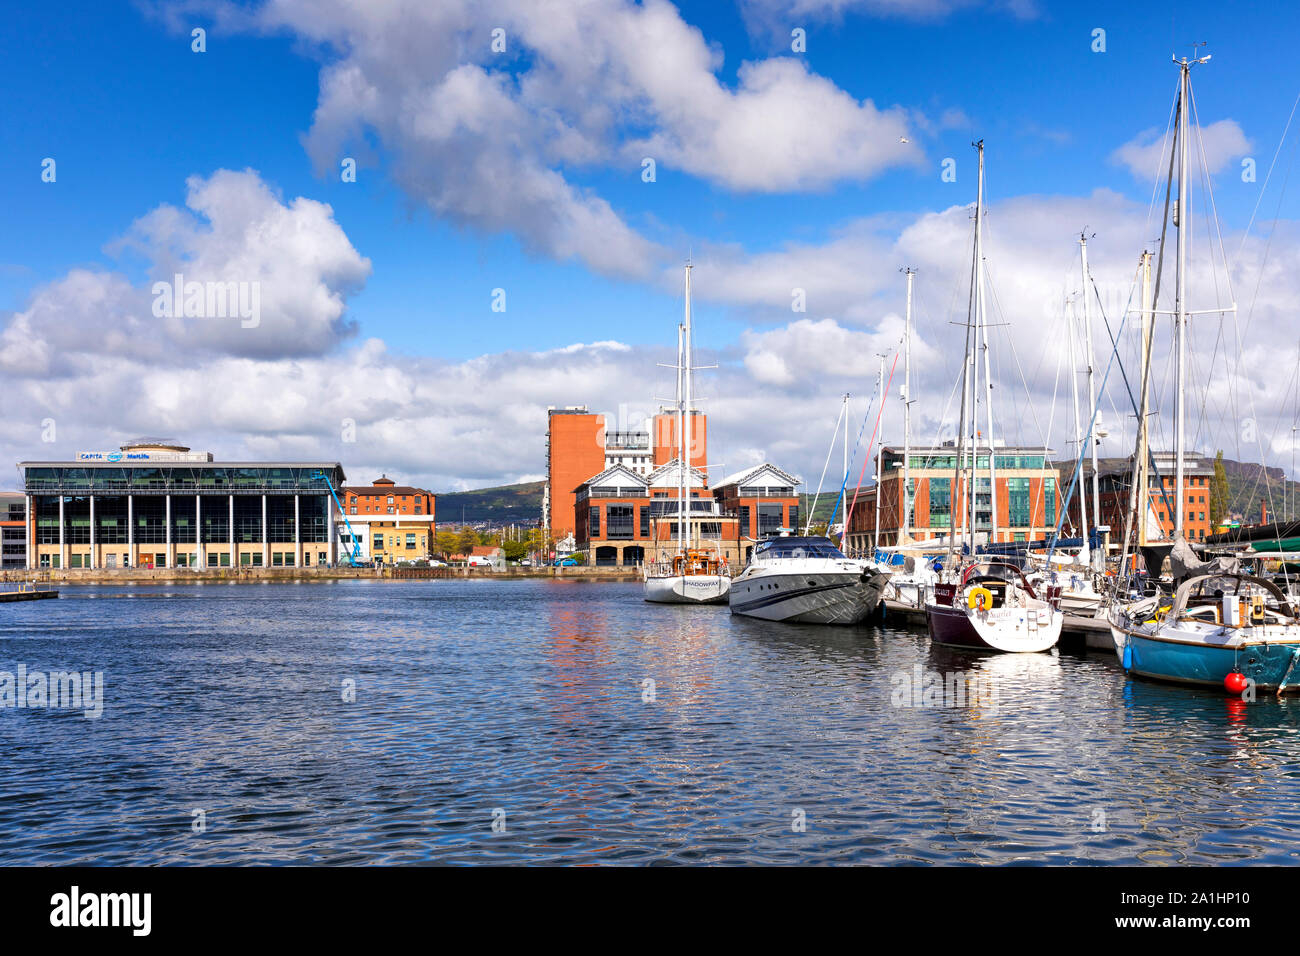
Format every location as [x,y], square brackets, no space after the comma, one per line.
[989,606]
[1074,576]
[912,578]
[1221,628]
[693,574]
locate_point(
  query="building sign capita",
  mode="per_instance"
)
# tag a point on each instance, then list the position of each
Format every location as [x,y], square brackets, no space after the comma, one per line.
[116,456]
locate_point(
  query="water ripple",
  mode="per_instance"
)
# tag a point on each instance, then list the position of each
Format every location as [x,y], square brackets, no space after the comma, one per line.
[526,705]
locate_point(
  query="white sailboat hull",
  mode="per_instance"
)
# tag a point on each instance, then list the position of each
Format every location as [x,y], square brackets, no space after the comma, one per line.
[688,589]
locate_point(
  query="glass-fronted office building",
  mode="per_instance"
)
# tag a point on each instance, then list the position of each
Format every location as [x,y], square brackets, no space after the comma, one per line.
[156,505]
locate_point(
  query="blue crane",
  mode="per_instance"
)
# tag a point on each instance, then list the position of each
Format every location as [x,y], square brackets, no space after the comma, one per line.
[355,553]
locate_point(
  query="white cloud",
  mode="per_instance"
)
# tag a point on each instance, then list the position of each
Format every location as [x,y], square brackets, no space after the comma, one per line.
[1147,154]
[495,142]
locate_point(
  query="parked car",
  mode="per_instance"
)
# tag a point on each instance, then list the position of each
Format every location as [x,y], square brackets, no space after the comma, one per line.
[435,563]
[565,563]
[479,561]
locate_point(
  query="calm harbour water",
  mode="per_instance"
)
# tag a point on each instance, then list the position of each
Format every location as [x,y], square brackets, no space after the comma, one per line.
[527,697]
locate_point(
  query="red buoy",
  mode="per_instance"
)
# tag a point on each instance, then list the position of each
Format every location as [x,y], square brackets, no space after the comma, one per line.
[1235,682]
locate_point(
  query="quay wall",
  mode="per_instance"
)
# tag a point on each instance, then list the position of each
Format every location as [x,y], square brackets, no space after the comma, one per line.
[286,575]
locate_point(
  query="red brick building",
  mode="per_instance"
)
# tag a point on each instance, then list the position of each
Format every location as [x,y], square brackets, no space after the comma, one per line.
[1116,486]
[1028,496]
[624,518]
[579,445]
[386,497]
[575,450]
[764,500]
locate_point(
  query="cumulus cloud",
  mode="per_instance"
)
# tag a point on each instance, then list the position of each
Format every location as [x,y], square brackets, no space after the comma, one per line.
[234,239]
[1147,154]
[499,141]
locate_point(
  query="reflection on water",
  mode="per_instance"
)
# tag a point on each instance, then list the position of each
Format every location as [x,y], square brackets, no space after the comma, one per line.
[606,730]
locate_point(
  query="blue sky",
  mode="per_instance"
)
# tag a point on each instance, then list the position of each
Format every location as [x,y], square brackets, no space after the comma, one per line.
[114,93]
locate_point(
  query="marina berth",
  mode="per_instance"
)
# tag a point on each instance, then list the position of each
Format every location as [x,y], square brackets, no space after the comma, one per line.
[993,608]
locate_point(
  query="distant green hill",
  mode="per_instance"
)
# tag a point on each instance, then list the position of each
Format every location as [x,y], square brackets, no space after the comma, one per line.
[825,503]
[505,504]
[1250,484]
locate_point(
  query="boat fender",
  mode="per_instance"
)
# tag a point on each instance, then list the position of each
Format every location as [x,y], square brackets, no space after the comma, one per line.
[1127,660]
[979,599]
[1235,682]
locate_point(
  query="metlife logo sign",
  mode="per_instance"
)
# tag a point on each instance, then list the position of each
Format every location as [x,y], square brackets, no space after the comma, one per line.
[116,456]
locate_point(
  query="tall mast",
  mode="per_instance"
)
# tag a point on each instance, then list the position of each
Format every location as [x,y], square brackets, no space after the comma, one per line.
[963,464]
[1078,428]
[680,424]
[906,528]
[684,433]
[1181,222]
[845,485]
[1092,387]
[1143,495]
[880,390]
[988,378]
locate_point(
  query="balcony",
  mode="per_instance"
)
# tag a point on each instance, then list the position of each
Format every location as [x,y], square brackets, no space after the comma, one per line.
[627,441]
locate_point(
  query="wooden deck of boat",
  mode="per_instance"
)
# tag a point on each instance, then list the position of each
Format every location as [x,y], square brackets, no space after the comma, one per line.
[9,596]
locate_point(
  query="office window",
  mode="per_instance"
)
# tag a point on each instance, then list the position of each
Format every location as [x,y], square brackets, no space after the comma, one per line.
[619,521]
[410,540]
[379,542]
[769,519]
[645,521]
[593,521]
[794,519]
[1049,501]
[745,529]
[940,502]
[1018,509]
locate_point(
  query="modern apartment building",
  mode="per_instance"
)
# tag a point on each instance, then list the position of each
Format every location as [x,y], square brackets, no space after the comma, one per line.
[1028,495]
